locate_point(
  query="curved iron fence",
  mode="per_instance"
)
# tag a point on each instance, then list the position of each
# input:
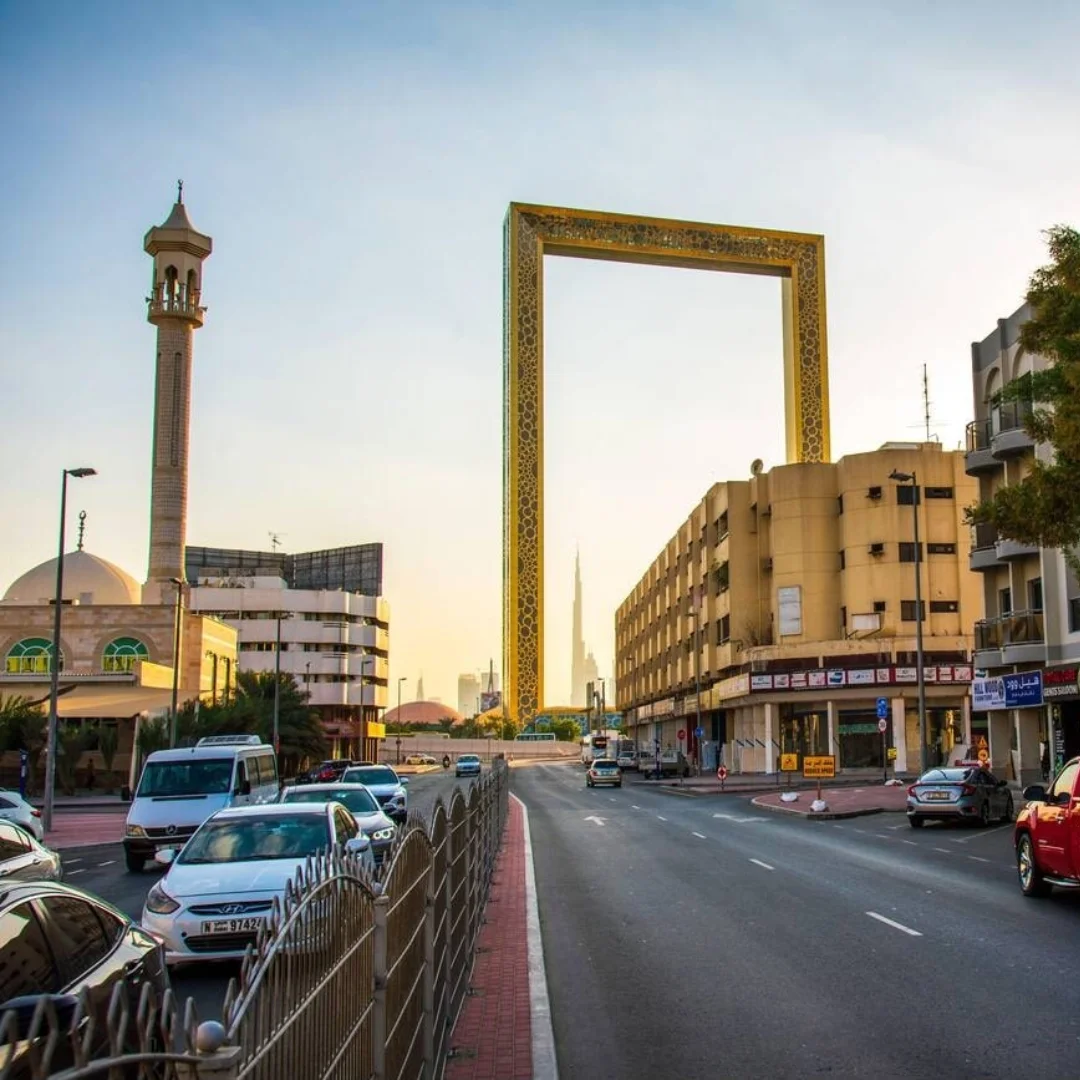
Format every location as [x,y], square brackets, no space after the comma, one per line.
[355,976]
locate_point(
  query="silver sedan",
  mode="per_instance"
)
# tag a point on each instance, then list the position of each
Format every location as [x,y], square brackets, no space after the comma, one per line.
[956,794]
[24,858]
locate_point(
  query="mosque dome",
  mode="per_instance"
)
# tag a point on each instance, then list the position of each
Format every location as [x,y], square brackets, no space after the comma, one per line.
[423,713]
[88,579]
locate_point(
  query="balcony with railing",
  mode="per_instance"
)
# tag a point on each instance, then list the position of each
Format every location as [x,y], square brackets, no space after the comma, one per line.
[979,457]
[984,538]
[173,300]
[1008,434]
[1016,638]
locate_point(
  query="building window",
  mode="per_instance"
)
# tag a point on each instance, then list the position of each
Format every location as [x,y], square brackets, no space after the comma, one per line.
[942,607]
[939,492]
[722,576]
[843,560]
[840,504]
[940,549]
[1074,614]
[879,605]
[721,526]
[906,494]
[723,630]
[31,656]
[843,622]
[1035,594]
[907,552]
[1004,601]
[122,654]
[908,609]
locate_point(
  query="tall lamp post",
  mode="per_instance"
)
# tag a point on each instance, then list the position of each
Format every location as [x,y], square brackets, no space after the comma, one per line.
[401,679]
[54,680]
[178,582]
[364,661]
[277,687]
[909,478]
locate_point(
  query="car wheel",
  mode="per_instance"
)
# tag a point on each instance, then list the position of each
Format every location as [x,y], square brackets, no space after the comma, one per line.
[984,813]
[915,822]
[134,863]
[1009,809]
[1032,882]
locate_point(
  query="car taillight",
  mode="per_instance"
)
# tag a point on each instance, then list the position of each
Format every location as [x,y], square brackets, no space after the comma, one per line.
[967,789]
[911,790]
[35,812]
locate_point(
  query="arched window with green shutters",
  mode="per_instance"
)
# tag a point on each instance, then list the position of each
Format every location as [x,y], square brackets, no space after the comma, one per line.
[31,656]
[122,653]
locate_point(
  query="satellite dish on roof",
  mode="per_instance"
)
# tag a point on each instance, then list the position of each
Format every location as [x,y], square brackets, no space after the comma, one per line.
[756,466]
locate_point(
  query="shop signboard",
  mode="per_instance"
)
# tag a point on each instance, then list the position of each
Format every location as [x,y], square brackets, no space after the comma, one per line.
[906,674]
[836,677]
[781,681]
[1062,682]
[761,682]
[861,677]
[1023,690]
[987,694]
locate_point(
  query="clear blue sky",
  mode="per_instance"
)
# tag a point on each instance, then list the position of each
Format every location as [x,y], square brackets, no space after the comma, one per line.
[353,163]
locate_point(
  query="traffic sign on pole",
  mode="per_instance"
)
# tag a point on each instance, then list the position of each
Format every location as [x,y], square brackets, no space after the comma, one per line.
[882,708]
[882,725]
[681,735]
[699,732]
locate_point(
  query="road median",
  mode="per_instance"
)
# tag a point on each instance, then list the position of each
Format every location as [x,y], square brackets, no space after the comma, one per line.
[840,802]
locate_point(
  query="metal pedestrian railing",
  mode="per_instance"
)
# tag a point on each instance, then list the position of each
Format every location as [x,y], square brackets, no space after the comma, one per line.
[356,976]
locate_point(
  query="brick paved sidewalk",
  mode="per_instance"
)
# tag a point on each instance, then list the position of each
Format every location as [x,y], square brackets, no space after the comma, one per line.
[493,1035]
[842,802]
[71,829]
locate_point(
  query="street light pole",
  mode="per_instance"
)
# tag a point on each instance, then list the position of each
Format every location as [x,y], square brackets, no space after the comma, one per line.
[54,675]
[401,679]
[176,659]
[905,478]
[277,686]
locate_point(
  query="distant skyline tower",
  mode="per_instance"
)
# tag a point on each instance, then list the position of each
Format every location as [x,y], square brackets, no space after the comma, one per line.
[578,670]
[174,306]
[420,688]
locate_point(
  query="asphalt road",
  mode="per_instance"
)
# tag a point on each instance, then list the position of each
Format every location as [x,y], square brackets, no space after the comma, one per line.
[700,937]
[101,870]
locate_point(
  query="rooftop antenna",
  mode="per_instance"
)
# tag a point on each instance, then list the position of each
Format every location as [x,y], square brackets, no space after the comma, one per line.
[275,541]
[82,527]
[926,401]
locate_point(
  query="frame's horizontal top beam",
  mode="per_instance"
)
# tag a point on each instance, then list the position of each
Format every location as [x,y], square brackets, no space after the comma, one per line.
[652,256]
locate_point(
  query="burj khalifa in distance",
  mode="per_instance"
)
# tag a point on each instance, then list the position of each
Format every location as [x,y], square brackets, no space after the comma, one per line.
[582,664]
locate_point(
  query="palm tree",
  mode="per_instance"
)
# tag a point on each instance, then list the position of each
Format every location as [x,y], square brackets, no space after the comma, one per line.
[23,727]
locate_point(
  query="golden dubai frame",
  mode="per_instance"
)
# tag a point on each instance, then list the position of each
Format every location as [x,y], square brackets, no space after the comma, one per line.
[530,233]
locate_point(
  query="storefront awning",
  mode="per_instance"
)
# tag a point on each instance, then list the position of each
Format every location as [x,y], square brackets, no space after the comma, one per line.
[104,701]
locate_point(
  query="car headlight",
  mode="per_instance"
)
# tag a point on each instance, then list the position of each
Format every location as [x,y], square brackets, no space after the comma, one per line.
[382,834]
[135,830]
[399,796]
[159,902]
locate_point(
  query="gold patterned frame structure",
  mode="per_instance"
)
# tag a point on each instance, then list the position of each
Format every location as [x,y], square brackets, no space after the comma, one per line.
[530,233]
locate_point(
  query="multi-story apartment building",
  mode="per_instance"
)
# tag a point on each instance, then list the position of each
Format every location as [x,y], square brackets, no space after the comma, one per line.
[1027,648]
[336,644]
[784,607]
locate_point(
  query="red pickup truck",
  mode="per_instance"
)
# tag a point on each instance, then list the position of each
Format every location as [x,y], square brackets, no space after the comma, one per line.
[1047,834]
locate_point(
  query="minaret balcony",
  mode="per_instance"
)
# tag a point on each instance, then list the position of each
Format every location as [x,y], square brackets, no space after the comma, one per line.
[174,307]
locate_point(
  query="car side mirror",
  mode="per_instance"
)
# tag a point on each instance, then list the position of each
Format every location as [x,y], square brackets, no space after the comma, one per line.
[244,788]
[1035,793]
[1063,798]
[404,780]
[125,794]
[164,857]
[357,845]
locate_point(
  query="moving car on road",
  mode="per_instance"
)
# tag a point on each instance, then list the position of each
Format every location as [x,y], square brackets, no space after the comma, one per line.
[953,794]
[180,789]
[604,771]
[13,807]
[385,784]
[363,806]
[420,759]
[24,858]
[220,889]
[468,765]
[1047,834]
[57,941]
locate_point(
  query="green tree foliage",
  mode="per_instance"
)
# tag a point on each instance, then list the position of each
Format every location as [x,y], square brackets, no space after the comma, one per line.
[73,740]
[566,730]
[1044,507]
[108,739]
[153,735]
[23,726]
[251,712]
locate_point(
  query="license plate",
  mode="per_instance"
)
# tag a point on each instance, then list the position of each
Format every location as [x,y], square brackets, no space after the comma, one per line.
[936,796]
[231,926]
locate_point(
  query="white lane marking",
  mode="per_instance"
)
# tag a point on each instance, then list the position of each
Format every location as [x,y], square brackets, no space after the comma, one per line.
[979,858]
[700,836]
[659,818]
[763,865]
[911,842]
[72,873]
[611,797]
[882,836]
[72,862]
[108,862]
[897,827]
[543,1037]
[634,806]
[943,850]
[738,819]
[895,925]
[985,832]
[593,817]
[835,826]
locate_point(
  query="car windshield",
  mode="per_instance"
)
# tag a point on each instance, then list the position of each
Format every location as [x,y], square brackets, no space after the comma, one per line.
[249,839]
[357,800]
[944,776]
[469,759]
[378,774]
[197,776]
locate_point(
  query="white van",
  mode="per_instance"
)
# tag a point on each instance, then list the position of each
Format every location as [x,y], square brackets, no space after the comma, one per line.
[180,789]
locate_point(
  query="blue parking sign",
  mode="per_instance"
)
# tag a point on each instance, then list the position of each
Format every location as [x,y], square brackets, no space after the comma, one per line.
[883,708]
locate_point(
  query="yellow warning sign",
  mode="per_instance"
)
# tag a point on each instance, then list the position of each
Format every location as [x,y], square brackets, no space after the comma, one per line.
[789,762]
[822,767]
[892,753]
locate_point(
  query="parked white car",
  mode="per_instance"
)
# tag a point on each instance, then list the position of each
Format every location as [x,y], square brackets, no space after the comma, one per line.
[13,807]
[220,889]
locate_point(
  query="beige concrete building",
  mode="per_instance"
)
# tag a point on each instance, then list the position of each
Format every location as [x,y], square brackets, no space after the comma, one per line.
[784,607]
[1028,646]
